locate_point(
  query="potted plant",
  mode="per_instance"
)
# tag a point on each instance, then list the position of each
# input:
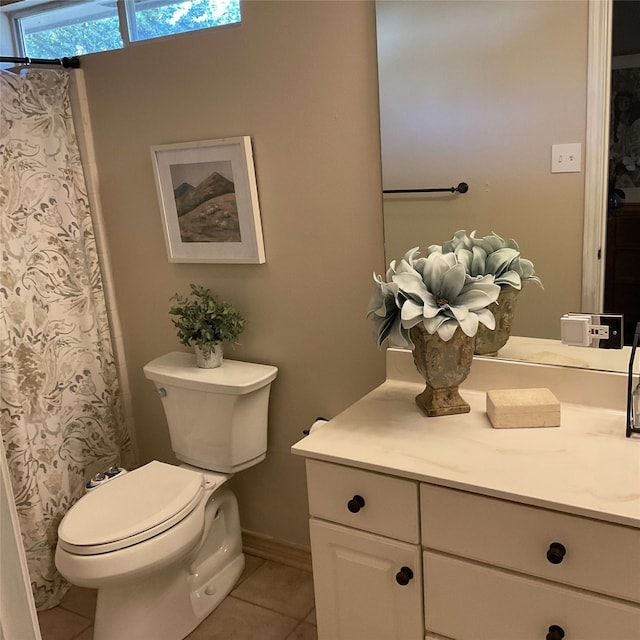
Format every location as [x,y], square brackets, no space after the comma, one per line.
[434,307]
[204,322]
[501,258]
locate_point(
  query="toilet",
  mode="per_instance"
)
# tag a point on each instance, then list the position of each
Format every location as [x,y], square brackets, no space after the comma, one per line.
[162,543]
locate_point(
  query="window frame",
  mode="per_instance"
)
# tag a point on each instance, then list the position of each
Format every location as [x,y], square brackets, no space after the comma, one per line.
[126,13]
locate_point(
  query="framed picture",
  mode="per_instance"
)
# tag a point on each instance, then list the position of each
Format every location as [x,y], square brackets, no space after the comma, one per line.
[209,201]
[624,158]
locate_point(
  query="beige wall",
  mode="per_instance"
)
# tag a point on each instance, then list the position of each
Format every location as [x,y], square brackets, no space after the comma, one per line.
[478,92]
[300,79]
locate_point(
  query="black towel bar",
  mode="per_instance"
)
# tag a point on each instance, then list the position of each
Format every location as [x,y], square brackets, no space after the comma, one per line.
[463,187]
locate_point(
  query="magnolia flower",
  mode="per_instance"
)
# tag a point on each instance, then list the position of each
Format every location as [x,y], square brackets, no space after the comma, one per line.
[385,307]
[490,255]
[385,310]
[436,291]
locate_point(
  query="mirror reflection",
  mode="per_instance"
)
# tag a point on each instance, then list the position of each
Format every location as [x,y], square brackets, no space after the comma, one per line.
[480,92]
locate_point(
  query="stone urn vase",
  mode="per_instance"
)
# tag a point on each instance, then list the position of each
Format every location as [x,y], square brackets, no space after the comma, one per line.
[444,366]
[489,341]
[209,359]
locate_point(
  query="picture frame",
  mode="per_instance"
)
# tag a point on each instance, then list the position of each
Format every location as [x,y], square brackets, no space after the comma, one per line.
[209,201]
[624,168]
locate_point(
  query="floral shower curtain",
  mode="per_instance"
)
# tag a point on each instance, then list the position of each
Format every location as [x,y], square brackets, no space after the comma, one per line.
[60,405]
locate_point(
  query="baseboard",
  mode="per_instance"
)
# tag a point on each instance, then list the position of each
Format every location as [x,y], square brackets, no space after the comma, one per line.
[293,555]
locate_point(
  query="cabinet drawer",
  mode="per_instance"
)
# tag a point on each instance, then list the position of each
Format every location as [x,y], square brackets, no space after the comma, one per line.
[467,601]
[599,556]
[390,504]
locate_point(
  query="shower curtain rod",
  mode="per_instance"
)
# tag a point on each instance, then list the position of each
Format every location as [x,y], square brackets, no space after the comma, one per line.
[66,63]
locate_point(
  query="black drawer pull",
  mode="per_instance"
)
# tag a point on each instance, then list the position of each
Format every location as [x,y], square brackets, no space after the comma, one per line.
[556,553]
[404,576]
[355,504]
[555,633]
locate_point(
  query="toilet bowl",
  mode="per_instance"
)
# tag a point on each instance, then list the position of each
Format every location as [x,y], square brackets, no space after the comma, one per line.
[162,544]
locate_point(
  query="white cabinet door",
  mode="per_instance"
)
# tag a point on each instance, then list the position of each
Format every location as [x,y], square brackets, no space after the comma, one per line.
[357,578]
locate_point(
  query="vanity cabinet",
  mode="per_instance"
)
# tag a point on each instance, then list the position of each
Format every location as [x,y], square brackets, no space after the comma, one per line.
[445,528]
[497,569]
[397,559]
[366,554]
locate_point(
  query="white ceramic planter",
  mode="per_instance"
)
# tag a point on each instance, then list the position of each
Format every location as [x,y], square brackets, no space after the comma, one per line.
[209,359]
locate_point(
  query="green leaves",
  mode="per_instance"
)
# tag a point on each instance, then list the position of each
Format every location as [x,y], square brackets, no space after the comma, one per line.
[203,320]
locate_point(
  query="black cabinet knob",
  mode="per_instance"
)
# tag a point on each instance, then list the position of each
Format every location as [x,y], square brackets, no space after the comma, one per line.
[555,633]
[355,504]
[556,553]
[404,576]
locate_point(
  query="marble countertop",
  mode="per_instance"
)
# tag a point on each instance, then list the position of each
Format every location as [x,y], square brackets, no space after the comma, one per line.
[586,466]
[544,351]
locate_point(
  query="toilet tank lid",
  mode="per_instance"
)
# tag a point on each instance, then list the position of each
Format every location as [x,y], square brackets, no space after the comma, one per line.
[232,377]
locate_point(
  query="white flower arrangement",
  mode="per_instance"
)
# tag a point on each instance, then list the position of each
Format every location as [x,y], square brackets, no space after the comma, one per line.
[490,255]
[436,291]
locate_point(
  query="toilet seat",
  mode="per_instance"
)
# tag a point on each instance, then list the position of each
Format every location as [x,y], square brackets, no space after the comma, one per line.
[131,508]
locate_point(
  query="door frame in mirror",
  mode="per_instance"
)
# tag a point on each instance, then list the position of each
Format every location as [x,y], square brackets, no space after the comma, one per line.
[596,154]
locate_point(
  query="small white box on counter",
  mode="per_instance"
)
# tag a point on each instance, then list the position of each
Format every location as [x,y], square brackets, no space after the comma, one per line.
[518,408]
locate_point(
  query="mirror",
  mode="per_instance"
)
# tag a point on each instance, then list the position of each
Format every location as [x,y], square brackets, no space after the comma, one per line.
[477,91]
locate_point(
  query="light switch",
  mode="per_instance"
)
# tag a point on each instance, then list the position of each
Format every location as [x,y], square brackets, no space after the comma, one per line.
[566,158]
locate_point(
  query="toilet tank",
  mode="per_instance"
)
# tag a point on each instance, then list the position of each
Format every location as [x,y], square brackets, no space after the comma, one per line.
[217,418]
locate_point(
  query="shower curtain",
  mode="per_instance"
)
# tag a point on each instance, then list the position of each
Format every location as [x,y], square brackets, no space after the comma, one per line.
[61,411]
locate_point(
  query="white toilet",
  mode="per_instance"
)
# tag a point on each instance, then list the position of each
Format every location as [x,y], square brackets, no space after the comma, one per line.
[162,543]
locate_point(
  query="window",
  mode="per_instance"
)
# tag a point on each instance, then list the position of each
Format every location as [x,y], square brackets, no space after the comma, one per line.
[71,28]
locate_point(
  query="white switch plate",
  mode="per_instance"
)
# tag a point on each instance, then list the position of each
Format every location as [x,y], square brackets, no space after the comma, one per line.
[566,158]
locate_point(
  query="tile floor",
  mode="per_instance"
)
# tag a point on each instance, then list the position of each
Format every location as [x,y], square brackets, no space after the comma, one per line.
[271,601]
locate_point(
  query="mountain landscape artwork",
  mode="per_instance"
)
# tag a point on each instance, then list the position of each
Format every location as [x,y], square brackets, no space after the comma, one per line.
[208,197]
[205,201]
